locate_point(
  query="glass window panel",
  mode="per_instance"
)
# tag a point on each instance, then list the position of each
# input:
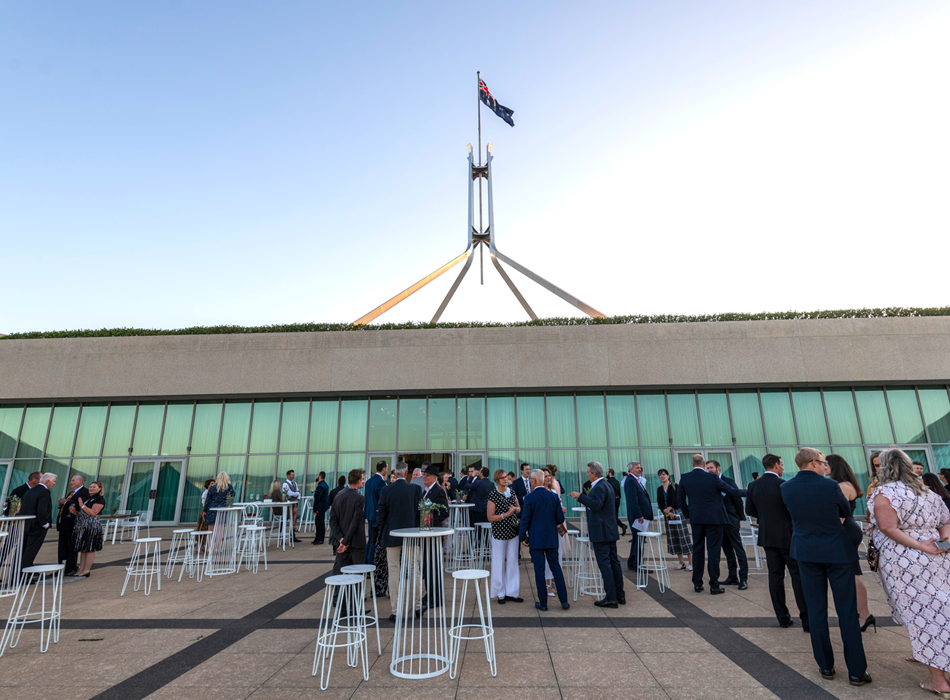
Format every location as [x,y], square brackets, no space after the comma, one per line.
[348,462]
[779,424]
[166,489]
[264,427]
[382,423]
[200,469]
[10,419]
[320,463]
[842,417]
[592,420]
[148,429]
[353,424]
[233,466]
[471,422]
[33,433]
[501,421]
[906,415]
[323,424]
[873,413]
[119,430]
[619,459]
[726,465]
[62,432]
[501,460]
[941,457]
[536,458]
[855,458]
[936,412]
[622,418]
[22,468]
[531,421]
[651,413]
[572,473]
[653,461]
[296,462]
[746,417]
[234,428]
[562,430]
[293,426]
[442,423]
[260,475]
[92,425]
[750,460]
[683,419]
[412,424]
[714,414]
[810,417]
[59,467]
[177,428]
[112,476]
[207,430]
[788,460]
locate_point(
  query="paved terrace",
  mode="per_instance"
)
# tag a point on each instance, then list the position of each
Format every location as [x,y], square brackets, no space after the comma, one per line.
[252,636]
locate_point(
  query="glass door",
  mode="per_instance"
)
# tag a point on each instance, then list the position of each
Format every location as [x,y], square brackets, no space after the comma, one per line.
[470,459]
[6,475]
[371,461]
[917,453]
[154,485]
[683,462]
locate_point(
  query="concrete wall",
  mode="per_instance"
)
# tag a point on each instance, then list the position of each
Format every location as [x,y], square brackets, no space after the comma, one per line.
[849,351]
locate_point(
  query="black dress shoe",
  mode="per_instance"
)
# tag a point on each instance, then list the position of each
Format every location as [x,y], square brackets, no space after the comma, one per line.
[392,618]
[699,588]
[731,581]
[421,611]
[622,599]
[542,608]
[297,539]
[827,675]
[501,601]
[863,679]
[315,542]
[716,590]
[743,586]
[566,606]
[787,624]
[805,628]
[632,568]
[606,603]
[513,599]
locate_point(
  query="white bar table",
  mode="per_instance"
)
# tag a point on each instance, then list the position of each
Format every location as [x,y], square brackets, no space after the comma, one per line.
[583,516]
[286,527]
[458,514]
[11,552]
[420,646]
[223,543]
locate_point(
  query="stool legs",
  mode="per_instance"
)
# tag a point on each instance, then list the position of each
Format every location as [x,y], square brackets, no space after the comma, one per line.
[140,568]
[19,617]
[651,559]
[458,624]
[349,598]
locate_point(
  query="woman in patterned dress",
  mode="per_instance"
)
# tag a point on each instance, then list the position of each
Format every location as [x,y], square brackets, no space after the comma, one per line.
[908,518]
[87,534]
[504,516]
[678,541]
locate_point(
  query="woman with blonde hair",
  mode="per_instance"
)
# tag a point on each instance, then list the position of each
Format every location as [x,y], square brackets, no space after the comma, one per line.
[504,514]
[908,519]
[276,493]
[218,494]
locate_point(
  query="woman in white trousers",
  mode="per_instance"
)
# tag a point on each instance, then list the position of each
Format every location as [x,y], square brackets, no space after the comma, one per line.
[504,514]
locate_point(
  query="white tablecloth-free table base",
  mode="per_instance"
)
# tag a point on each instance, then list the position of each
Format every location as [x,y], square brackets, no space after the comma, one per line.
[11,552]
[224,540]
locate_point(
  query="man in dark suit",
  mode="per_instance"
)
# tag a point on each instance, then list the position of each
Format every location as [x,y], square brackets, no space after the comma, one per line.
[522,485]
[435,493]
[468,477]
[452,490]
[541,521]
[602,531]
[615,485]
[639,510]
[37,502]
[20,491]
[340,485]
[732,547]
[825,555]
[321,503]
[700,499]
[347,529]
[478,494]
[373,487]
[398,508]
[66,522]
[775,537]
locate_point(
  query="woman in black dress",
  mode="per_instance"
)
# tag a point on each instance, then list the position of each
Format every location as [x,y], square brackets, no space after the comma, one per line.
[678,541]
[839,470]
[87,534]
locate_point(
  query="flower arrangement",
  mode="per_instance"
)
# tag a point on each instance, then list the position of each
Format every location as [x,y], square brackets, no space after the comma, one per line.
[427,509]
[14,506]
[230,500]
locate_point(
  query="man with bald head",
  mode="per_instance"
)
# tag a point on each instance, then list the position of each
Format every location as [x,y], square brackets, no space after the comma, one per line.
[541,520]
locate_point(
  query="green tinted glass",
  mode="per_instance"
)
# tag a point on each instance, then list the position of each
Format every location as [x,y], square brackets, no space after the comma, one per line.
[810,417]
[619,459]
[591,420]
[294,419]
[653,461]
[502,460]
[62,432]
[325,463]
[471,422]
[260,475]
[295,463]
[683,419]
[779,424]
[442,423]
[323,423]
[199,469]
[788,460]
[842,417]
[348,462]
[92,426]
[906,414]
[562,430]
[166,491]
[714,414]
[941,457]
[412,424]
[382,423]
[536,458]
[234,429]
[86,468]
[352,424]
[33,433]
[233,466]
[651,412]
[750,460]
[148,429]
[264,427]
[855,458]
[119,430]
[872,410]
[59,467]
[501,421]
[177,428]
[746,417]
[572,472]
[622,420]
[10,419]
[112,476]
[936,412]
[204,439]
[530,421]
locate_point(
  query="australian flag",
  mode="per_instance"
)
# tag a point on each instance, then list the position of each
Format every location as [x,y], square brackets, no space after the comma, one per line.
[493,104]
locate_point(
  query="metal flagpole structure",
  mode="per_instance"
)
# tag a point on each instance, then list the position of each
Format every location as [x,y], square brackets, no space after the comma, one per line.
[481,229]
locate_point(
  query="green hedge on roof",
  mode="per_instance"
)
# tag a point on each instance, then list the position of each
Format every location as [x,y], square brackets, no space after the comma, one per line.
[563,321]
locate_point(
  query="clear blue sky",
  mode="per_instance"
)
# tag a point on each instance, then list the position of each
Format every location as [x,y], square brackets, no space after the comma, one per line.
[179,163]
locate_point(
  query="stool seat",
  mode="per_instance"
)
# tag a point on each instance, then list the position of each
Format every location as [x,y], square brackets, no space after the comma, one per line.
[470,574]
[185,531]
[358,569]
[651,559]
[466,529]
[42,568]
[459,631]
[148,539]
[648,534]
[199,533]
[483,525]
[343,579]
[252,546]
[252,527]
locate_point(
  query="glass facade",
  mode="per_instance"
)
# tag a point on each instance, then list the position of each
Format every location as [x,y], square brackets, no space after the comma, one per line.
[172,447]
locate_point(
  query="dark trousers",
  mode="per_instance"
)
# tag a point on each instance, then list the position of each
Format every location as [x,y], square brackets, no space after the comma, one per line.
[66,552]
[816,578]
[777,560]
[478,517]
[538,557]
[371,541]
[319,526]
[31,545]
[434,584]
[348,558]
[609,564]
[733,549]
[706,538]
[633,561]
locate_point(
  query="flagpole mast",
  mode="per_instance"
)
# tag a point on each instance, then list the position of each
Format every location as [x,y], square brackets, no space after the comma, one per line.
[481,227]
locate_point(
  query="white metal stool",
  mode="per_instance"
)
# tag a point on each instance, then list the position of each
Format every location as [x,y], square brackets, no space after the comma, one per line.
[363,570]
[252,547]
[487,631]
[35,576]
[306,515]
[193,560]
[342,593]
[651,559]
[569,561]
[482,545]
[587,580]
[463,549]
[178,551]
[140,568]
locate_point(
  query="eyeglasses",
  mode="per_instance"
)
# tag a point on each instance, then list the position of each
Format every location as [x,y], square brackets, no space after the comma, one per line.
[820,461]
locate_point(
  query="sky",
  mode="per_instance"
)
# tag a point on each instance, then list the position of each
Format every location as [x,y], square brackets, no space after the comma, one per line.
[170,164]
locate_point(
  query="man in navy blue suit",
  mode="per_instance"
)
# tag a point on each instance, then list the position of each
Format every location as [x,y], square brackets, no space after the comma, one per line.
[522,485]
[700,499]
[371,491]
[732,546]
[639,510]
[602,531]
[478,493]
[825,555]
[541,520]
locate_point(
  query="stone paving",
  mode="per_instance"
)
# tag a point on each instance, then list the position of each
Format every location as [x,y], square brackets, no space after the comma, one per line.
[252,636]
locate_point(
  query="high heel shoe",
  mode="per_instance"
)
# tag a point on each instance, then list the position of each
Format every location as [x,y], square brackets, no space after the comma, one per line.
[869,621]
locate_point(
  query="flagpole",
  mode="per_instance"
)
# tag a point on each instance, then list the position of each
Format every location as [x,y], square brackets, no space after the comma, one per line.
[481,228]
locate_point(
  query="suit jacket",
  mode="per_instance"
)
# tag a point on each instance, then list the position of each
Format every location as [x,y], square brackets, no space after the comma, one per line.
[37,502]
[734,508]
[666,500]
[19,492]
[398,508]
[333,495]
[373,486]
[520,490]
[539,519]
[462,487]
[479,493]
[615,485]
[66,520]
[437,495]
[321,497]
[765,503]
[638,503]
[700,497]
[453,487]
[601,513]
[817,505]
[346,519]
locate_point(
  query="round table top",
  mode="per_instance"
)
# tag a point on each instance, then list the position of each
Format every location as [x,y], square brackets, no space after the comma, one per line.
[413,532]
[273,504]
[343,579]
[483,525]
[43,568]
[461,505]
[358,569]
[228,508]
[123,516]
[17,517]
[578,509]
[470,574]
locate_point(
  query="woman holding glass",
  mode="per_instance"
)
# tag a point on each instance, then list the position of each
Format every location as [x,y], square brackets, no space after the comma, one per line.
[504,514]
[87,534]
